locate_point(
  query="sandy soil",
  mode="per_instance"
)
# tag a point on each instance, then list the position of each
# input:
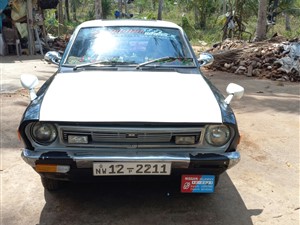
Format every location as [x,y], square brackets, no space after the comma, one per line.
[262,189]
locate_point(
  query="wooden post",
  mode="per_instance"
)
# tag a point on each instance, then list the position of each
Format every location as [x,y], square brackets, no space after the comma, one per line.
[30,21]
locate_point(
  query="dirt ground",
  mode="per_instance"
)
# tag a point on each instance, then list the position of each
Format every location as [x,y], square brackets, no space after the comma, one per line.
[262,189]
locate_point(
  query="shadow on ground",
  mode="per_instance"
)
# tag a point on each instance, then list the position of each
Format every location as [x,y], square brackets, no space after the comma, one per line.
[139,203]
[18,59]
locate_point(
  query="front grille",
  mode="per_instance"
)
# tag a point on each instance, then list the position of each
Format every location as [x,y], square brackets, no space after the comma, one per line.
[120,136]
[134,137]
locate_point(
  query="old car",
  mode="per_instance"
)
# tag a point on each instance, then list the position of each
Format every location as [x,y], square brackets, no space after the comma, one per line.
[129,100]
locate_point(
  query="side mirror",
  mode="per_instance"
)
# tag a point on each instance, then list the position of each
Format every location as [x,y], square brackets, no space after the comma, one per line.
[29,82]
[205,59]
[53,57]
[234,90]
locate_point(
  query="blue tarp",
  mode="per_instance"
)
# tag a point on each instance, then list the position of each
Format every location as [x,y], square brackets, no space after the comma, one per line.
[3,4]
[292,60]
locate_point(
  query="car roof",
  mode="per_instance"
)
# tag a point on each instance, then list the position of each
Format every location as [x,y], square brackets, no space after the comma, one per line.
[129,22]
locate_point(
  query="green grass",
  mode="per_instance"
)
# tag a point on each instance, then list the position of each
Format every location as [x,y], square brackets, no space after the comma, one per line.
[279,28]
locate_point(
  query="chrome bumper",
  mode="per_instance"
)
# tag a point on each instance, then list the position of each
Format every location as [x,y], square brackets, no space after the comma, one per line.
[85,159]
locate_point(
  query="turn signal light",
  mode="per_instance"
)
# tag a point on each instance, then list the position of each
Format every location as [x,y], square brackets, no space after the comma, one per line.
[52,168]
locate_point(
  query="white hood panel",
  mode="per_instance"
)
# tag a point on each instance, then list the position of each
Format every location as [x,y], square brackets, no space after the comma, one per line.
[130,97]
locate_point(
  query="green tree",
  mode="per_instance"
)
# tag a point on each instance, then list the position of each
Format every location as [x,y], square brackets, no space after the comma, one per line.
[74,5]
[288,8]
[202,10]
[106,8]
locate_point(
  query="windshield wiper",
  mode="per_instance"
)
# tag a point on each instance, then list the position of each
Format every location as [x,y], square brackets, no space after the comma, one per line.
[165,60]
[110,63]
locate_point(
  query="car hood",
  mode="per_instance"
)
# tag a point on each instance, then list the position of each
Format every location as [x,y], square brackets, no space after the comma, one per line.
[130,96]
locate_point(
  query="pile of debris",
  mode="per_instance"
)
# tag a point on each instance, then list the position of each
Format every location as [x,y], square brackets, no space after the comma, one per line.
[275,59]
[57,43]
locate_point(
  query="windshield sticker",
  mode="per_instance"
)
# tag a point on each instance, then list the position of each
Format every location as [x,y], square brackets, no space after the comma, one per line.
[153,32]
[127,31]
[158,33]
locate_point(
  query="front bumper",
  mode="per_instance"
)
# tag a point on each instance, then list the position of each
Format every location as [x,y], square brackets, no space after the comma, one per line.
[208,163]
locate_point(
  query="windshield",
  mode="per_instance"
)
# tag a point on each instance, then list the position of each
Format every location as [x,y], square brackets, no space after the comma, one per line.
[128,45]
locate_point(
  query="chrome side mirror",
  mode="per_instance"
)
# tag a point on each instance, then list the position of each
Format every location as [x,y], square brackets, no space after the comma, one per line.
[53,57]
[29,82]
[234,90]
[205,59]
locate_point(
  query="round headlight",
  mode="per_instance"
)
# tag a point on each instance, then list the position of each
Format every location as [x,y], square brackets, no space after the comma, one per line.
[217,135]
[44,133]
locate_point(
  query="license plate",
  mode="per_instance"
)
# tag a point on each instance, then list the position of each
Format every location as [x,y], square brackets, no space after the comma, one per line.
[197,183]
[130,168]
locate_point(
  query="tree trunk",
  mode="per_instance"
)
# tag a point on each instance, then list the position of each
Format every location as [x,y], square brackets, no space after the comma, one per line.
[126,8]
[197,19]
[239,10]
[31,45]
[98,9]
[153,5]
[224,7]
[60,18]
[203,15]
[74,14]
[261,28]
[160,7]
[67,10]
[120,8]
[287,22]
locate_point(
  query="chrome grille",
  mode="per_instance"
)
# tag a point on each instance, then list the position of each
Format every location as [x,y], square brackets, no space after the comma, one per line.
[131,137]
[120,136]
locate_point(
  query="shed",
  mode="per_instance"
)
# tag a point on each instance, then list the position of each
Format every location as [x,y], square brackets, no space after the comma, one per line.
[22,26]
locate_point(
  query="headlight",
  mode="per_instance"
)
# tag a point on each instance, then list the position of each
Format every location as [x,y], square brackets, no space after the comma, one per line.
[217,135]
[43,133]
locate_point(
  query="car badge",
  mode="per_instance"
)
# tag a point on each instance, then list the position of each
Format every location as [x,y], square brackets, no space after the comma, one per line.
[131,135]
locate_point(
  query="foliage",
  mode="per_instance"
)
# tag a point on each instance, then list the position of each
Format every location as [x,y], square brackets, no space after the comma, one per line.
[290,6]
[201,19]
[188,28]
[51,21]
[106,7]
[81,10]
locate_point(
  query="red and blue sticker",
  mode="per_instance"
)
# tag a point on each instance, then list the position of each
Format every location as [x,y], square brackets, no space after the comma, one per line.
[197,183]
